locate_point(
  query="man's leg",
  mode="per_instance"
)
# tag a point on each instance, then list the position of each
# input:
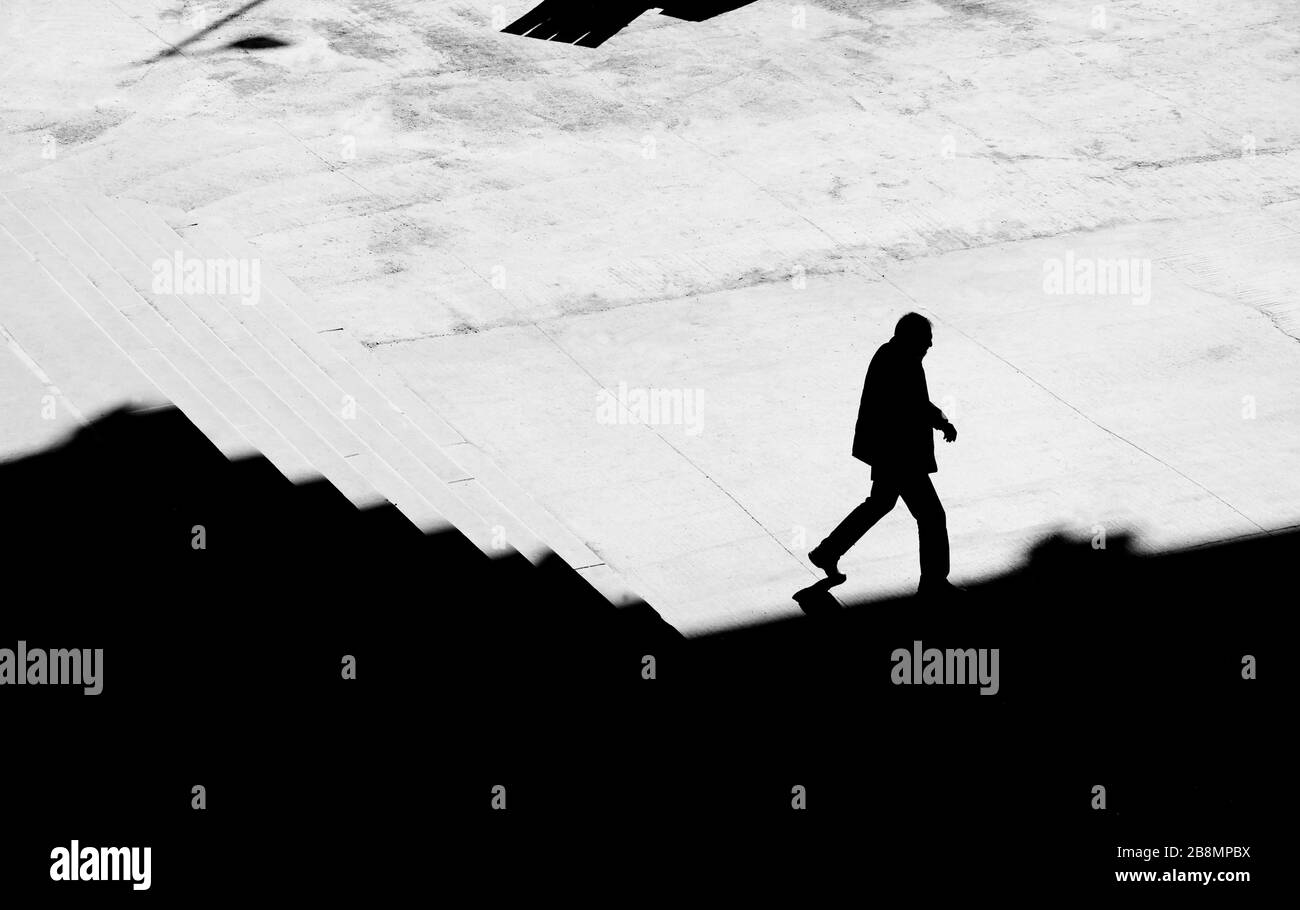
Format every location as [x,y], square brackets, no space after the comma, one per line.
[884,495]
[932,527]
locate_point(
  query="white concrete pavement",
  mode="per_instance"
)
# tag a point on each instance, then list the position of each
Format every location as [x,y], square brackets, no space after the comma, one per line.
[743,206]
[1175,419]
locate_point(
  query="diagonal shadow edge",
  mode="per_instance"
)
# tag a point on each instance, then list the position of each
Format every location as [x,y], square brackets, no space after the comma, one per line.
[99,470]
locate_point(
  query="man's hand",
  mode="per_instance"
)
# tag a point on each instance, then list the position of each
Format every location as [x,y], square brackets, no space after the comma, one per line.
[949,433]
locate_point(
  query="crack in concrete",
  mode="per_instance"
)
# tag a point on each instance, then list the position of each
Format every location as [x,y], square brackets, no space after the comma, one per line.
[1205,159]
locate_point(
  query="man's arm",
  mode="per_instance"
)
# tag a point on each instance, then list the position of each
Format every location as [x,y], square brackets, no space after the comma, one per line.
[939,422]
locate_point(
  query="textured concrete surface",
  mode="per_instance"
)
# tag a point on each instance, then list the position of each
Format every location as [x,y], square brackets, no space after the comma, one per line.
[740,208]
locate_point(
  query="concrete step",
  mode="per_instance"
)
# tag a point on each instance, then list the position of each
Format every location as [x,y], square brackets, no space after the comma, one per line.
[516,511]
[272,395]
[330,347]
[562,541]
[184,379]
[83,246]
[507,529]
[144,335]
[392,443]
[529,527]
[348,427]
[98,376]
[80,354]
[259,377]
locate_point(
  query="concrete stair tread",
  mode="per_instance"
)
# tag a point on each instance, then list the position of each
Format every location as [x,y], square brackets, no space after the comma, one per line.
[335,351]
[561,540]
[201,412]
[242,342]
[226,347]
[513,508]
[263,377]
[393,469]
[91,369]
[373,405]
[341,354]
[191,382]
[282,346]
[610,584]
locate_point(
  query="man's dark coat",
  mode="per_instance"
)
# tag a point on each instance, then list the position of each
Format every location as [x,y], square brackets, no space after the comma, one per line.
[896,421]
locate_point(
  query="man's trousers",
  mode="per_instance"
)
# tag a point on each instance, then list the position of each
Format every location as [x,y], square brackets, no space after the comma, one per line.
[918,494]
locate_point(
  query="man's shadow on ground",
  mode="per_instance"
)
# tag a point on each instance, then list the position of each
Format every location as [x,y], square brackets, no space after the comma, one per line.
[817,600]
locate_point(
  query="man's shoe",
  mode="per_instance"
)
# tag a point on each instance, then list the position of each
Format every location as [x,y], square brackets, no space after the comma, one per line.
[826,562]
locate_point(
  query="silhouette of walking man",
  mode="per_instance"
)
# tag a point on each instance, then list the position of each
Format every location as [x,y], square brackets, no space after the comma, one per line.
[895,435]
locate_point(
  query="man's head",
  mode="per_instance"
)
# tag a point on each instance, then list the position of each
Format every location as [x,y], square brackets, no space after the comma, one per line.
[913,332]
